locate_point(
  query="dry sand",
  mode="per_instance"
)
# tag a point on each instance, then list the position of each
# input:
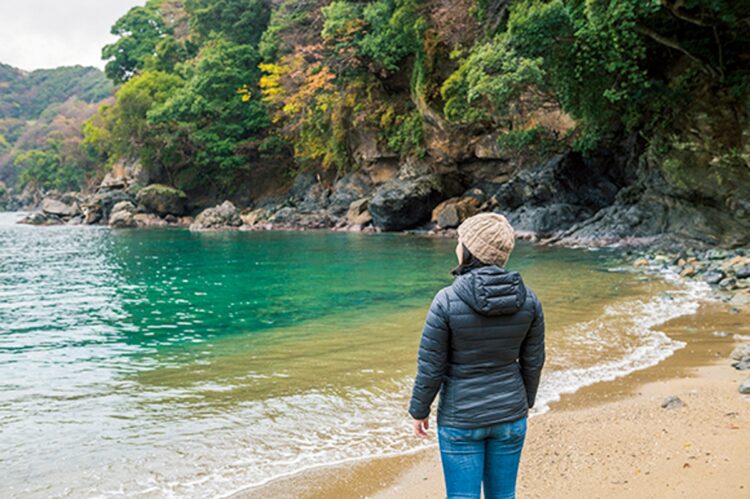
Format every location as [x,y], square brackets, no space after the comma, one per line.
[611,440]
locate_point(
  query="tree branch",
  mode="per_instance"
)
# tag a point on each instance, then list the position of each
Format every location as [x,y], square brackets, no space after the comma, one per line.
[675,7]
[707,67]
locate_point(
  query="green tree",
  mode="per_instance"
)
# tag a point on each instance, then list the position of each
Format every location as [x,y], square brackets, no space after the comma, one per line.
[50,168]
[210,112]
[122,130]
[240,21]
[384,31]
[139,32]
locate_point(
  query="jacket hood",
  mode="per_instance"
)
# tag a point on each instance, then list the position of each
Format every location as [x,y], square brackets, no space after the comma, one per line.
[491,290]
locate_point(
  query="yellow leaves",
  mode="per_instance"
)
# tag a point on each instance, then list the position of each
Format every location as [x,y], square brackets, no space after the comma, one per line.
[245,93]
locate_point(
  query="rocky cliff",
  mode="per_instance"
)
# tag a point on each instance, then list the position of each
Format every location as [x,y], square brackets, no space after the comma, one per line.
[594,124]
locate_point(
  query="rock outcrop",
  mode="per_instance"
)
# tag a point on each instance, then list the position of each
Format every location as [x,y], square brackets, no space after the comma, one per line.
[451,212]
[406,203]
[40,218]
[224,216]
[162,200]
[53,206]
[358,213]
[122,215]
[347,190]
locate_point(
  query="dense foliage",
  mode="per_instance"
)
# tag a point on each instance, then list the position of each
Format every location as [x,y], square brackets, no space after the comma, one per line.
[212,89]
[41,113]
[629,64]
[185,110]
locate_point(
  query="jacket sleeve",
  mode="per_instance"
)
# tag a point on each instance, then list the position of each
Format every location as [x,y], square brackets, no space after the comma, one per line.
[432,359]
[531,358]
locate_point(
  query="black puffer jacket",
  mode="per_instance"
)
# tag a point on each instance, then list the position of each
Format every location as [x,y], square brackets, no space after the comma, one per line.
[483,347]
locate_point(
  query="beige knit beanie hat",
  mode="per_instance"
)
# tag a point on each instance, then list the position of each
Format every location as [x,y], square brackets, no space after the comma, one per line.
[489,237]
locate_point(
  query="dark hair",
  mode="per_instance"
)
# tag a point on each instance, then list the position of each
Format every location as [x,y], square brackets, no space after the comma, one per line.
[468,262]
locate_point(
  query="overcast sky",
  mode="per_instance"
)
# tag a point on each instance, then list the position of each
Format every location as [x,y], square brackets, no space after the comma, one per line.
[49,33]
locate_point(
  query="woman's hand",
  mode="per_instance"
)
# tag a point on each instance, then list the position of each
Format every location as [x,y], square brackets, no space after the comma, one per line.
[421,426]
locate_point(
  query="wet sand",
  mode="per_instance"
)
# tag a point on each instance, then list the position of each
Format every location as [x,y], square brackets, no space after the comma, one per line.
[611,439]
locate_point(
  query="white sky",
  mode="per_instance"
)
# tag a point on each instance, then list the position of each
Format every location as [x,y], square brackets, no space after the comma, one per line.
[49,33]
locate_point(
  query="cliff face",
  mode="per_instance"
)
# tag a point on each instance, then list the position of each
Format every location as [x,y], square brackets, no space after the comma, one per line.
[671,158]
[581,121]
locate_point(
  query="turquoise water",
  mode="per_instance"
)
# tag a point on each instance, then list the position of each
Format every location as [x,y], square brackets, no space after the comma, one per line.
[163,362]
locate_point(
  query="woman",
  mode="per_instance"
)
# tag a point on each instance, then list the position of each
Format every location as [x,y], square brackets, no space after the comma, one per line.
[482,347]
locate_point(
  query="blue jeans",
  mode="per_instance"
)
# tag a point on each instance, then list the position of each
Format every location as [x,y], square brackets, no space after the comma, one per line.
[488,455]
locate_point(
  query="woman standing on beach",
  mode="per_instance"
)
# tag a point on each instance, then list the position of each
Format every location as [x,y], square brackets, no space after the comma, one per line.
[482,347]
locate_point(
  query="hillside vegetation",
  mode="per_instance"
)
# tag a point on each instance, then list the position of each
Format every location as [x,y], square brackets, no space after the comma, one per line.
[218,96]
[41,114]
[213,87]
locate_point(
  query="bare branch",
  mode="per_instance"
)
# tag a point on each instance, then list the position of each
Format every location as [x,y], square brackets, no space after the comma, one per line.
[707,67]
[675,7]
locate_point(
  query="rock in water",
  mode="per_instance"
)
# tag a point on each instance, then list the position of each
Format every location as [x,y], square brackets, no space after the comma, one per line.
[40,218]
[451,212]
[745,387]
[713,276]
[122,215]
[256,216]
[101,204]
[358,213]
[672,402]
[162,200]
[405,203]
[743,272]
[60,209]
[224,216]
[741,352]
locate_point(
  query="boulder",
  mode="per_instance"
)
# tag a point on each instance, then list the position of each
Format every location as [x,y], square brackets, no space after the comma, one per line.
[256,216]
[741,352]
[110,181]
[713,276]
[451,212]
[56,207]
[672,402]
[406,203]
[149,220]
[745,387]
[740,299]
[557,194]
[162,200]
[315,199]
[546,219]
[348,189]
[742,272]
[40,218]
[122,215]
[224,216]
[99,207]
[288,217]
[303,181]
[358,213]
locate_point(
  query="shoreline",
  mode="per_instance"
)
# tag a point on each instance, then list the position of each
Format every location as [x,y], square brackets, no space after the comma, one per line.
[703,362]
[640,245]
[347,477]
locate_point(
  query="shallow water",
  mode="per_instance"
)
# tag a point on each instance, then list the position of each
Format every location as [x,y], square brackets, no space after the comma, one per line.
[164,363]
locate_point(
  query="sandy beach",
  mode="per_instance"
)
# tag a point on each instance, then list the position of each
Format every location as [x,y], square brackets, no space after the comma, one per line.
[611,439]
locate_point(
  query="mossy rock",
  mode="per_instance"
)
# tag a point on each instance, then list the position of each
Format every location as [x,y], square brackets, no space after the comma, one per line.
[162,200]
